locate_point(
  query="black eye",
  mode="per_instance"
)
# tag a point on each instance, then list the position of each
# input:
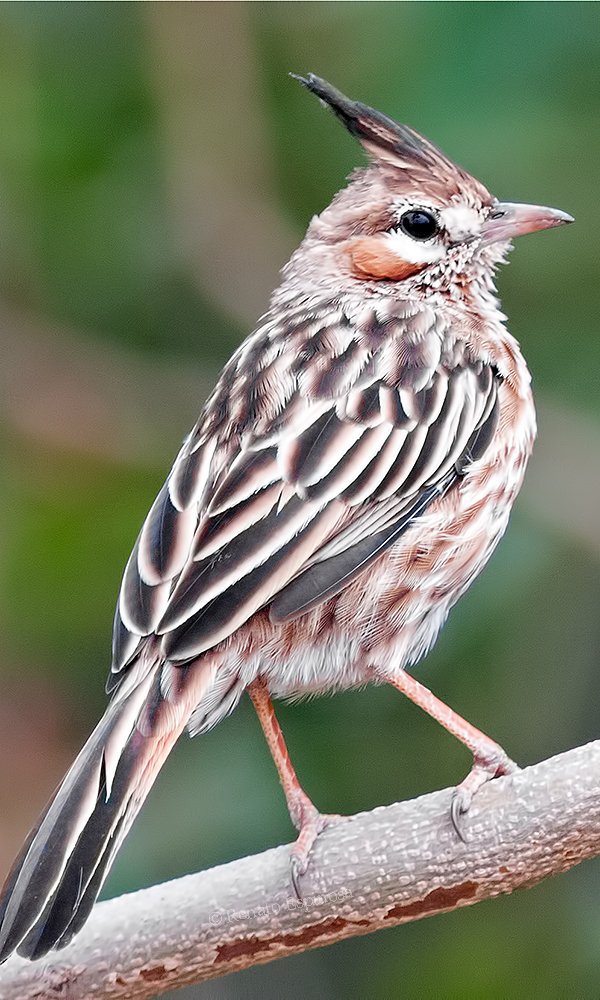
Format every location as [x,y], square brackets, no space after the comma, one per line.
[419,224]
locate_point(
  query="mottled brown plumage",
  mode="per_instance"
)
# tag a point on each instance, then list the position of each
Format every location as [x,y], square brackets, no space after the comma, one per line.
[347,479]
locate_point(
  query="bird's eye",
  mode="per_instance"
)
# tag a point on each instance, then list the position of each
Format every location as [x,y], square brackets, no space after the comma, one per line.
[419,224]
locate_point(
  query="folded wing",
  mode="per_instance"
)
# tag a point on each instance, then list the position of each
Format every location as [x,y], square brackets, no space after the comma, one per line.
[287,517]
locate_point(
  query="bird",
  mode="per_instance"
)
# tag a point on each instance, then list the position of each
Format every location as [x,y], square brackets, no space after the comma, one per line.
[348,478]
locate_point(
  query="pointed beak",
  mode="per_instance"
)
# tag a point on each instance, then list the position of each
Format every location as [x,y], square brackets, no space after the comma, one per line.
[509,219]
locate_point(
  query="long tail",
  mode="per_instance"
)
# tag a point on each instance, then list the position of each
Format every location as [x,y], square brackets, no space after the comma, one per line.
[54,882]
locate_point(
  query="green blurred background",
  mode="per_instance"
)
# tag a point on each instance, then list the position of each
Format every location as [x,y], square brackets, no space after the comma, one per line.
[157,166]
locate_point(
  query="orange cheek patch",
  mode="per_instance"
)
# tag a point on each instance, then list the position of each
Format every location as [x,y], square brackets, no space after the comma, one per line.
[372,258]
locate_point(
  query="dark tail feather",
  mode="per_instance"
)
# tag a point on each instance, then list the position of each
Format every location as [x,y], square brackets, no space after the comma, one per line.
[54,882]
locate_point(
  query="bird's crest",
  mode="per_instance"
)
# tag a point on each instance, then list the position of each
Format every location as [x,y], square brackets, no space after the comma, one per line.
[391,144]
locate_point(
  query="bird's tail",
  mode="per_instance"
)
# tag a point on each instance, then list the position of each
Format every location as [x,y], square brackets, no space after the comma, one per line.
[54,882]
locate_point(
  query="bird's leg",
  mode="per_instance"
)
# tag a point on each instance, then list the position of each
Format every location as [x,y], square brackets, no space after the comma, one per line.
[304,815]
[489,759]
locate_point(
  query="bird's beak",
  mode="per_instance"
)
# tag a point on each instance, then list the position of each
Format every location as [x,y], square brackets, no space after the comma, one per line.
[508,219]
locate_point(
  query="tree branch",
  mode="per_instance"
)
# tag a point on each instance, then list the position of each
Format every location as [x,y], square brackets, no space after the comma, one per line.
[378,869]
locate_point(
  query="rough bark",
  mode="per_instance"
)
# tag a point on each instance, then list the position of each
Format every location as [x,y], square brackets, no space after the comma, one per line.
[377,869]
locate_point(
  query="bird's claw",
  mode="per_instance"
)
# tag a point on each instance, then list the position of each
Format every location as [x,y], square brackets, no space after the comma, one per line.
[313,823]
[298,868]
[493,764]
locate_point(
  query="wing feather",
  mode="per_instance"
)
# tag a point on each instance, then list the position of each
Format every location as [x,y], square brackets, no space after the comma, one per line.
[368,480]
[205,579]
[321,450]
[165,539]
[125,645]
[351,464]
[250,472]
[189,476]
[234,604]
[141,605]
[216,531]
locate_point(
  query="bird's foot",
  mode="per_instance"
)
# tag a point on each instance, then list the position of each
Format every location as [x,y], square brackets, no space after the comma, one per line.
[310,823]
[489,761]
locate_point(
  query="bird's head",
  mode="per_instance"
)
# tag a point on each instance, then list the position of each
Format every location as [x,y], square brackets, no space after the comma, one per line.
[413,215]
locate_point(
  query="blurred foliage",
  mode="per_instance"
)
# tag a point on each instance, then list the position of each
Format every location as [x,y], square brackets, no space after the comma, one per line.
[156,166]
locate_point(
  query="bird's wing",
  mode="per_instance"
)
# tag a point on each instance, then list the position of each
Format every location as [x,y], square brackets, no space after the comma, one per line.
[357,444]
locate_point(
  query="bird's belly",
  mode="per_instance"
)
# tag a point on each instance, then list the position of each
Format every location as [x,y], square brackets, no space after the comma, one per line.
[335,663]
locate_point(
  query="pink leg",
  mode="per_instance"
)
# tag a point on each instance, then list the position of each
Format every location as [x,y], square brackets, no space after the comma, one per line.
[489,759]
[304,815]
